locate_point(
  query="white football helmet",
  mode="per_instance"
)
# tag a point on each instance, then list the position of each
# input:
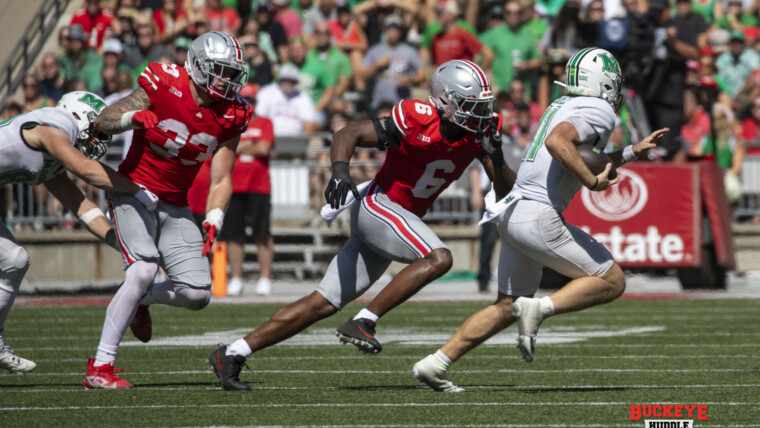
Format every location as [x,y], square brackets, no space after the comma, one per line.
[461,92]
[85,106]
[217,55]
[594,72]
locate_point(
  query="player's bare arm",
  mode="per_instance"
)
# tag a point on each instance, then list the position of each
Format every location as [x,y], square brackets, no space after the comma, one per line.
[220,190]
[74,200]
[626,155]
[112,119]
[561,144]
[502,178]
[58,145]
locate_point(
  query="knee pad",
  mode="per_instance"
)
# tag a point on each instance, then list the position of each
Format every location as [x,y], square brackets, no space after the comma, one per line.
[196,298]
[18,260]
[143,272]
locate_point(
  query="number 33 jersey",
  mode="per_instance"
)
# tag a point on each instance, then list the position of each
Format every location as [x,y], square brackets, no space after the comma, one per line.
[423,164]
[166,159]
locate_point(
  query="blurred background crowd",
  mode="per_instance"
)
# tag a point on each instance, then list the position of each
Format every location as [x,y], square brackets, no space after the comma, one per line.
[690,65]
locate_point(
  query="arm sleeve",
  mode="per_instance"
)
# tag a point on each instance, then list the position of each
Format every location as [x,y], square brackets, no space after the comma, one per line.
[402,119]
[387,134]
[593,121]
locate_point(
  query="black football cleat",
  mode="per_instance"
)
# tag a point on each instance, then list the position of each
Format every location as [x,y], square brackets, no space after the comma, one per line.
[227,369]
[361,333]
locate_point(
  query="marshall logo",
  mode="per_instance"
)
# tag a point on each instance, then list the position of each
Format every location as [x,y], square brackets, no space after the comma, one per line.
[423,138]
[619,202]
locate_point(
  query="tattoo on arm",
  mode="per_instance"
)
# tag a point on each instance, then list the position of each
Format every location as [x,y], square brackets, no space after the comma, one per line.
[109,120]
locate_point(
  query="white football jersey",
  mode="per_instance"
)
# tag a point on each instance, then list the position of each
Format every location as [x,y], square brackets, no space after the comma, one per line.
[540,177]
[19,163]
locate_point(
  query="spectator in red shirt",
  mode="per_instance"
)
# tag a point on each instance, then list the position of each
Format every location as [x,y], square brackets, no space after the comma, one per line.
[454,42]
[289,18]
[751,129]
[170,21]
[221,19]
[94,20]
[696,125]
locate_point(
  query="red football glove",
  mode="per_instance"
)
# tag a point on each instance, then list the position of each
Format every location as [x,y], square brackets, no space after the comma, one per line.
[145,119]
[210,237]
[212,224]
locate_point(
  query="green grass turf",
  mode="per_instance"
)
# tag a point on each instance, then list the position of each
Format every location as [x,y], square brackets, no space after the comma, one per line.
[706,353]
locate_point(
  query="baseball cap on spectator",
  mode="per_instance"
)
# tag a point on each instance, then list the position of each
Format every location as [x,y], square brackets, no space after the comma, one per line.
[281,2]
[288,72]
[449,6]
[718,39]
[262,7]
[496,11]
[126,12]
[343,6]
[692,65]
[752,33]
[76,32]
[113,46]
[182,43]
[393,21]
[737,35]
[248,92]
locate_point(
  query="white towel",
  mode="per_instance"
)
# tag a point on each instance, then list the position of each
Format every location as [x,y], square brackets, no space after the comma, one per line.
[329,213]
[494,208]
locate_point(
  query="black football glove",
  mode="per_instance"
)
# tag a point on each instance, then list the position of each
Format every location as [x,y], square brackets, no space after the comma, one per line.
[339,185]
[492,144]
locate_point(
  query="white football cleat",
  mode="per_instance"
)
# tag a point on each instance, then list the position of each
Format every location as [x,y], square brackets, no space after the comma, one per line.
[13,363]
[234,287]
[529,316]
[428,370]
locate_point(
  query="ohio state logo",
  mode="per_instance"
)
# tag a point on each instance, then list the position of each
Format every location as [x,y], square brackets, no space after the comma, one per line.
[619,202]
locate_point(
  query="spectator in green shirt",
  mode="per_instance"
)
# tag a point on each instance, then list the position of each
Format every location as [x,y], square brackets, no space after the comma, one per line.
[735,18]
[314,78]
[336,62]
[78,57]
[515,51]
[531,20]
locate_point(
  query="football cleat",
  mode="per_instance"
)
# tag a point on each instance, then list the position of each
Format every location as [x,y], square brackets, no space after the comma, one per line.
[529,317]
[361,333]
[13,363]
[429,371]
[104,377]
[227,369]
[142,326]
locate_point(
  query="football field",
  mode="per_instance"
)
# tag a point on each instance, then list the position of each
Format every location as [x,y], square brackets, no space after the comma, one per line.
[590,368]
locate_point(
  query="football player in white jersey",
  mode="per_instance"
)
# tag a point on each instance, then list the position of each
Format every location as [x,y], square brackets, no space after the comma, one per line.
[530,223]
[38,148]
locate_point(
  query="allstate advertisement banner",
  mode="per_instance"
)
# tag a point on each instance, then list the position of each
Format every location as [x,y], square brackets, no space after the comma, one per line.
[651,218]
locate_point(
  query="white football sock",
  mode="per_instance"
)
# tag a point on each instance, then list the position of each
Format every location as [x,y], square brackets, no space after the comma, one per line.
[445,361]
[364,313]
[121,310]
[547,306]
[239,347]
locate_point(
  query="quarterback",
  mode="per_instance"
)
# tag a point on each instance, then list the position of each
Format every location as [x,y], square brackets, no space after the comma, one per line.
[38,148]
[181,117]
[530,223]
[428,146]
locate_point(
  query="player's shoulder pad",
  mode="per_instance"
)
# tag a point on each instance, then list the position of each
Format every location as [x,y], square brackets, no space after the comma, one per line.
[153,77]
[408,114]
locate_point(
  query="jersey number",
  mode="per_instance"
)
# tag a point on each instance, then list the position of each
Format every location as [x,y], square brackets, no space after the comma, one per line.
[429,184]
[170,69]
[423,109]
[178,145]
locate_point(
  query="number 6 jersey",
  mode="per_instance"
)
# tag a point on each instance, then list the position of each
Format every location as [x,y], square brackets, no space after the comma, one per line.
[165,159]
[420,164]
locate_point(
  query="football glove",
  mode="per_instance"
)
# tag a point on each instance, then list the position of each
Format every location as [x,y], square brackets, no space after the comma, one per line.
[211,226]
[492,143]
[139,119]
[339,185]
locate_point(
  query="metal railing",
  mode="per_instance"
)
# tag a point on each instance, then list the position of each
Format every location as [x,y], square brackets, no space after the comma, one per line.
[20,60]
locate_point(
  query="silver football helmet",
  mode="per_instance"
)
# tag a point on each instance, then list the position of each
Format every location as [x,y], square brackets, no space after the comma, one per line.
[461,92]
[85,106]
[217,55]
[594,72]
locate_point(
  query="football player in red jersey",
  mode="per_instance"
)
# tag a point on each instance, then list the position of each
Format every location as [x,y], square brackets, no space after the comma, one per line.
[429,145]
[181,117]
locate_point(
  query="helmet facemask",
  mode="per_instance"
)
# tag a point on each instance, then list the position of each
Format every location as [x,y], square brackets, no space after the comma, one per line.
[91,142]
[471,113]
[231,75]
[217,57]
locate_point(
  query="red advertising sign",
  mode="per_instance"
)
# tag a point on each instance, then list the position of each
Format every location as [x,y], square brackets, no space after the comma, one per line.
[651,218]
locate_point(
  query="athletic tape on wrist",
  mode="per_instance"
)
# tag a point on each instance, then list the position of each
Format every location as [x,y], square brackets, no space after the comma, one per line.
[126,120]
[215,217]
[628,154]
[91,215]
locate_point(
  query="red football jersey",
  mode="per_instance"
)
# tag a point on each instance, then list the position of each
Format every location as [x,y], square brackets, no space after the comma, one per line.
[251,174]
[423,165]
[95,27]
[165,159]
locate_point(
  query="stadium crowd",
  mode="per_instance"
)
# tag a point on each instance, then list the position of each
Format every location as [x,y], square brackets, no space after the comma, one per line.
[690,65]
